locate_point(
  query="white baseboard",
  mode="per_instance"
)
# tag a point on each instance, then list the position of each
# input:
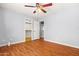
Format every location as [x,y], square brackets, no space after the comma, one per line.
[64,44]
[11,43]
[3,45]
[17,42]
[46,40]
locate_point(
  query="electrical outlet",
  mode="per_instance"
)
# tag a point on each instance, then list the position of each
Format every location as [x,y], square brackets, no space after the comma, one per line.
[8,43]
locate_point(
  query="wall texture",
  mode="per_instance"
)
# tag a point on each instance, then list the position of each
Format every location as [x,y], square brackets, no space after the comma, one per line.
[11,27]
[62,26]
[36,29]
[3,34]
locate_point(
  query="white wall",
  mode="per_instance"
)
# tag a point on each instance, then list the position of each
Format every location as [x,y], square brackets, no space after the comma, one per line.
[36,29]
[11,27]
[3,34]
[63,25]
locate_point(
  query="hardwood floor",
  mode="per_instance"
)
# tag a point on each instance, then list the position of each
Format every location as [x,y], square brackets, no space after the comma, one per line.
[38,48]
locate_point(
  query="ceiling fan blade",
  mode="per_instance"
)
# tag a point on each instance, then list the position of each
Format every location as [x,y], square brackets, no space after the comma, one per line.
[47,5]
[43,10]
[29,6]
[34,11]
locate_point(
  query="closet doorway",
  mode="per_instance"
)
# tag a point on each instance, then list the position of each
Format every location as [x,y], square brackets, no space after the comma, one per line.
[28,30]
[42,30]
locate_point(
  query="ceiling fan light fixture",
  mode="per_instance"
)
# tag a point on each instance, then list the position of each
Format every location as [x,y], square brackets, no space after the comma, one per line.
[38,10]
[40,7]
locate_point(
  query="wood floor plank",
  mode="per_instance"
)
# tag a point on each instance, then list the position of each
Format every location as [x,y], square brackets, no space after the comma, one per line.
[38,48]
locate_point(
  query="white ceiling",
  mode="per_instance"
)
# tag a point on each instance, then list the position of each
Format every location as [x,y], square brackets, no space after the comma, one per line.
[19,7]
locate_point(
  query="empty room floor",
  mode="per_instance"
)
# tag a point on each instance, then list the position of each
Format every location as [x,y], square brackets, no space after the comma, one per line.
[38,48]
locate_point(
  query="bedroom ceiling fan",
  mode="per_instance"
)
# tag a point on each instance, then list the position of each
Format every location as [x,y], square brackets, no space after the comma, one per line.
[39,6]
